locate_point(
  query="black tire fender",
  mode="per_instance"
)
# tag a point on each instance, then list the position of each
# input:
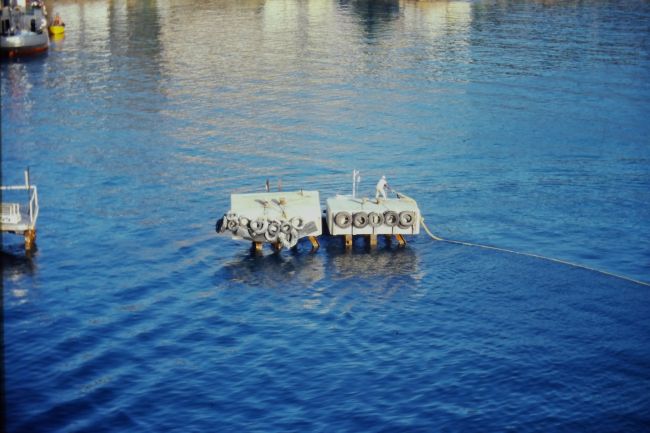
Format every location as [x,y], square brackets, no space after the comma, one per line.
[391,218]
[375,219]
[360,220]
[297,223]
[285,227]
[258,226]
[343,219]
[406,219]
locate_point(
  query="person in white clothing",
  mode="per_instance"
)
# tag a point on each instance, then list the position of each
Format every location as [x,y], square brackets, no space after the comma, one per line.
[381,187]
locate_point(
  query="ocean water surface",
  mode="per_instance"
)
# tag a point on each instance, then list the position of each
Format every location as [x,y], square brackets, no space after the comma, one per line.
[521,124]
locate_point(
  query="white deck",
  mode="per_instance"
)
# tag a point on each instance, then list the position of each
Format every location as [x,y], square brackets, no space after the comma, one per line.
[15,218]
[305,204]
[19,217]
[279,207]
[356,205]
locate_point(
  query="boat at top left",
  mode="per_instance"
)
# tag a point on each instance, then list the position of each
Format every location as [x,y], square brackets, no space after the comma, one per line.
[24,28]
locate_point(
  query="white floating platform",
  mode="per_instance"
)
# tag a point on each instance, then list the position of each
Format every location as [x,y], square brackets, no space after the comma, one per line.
[16,218]
[357,216]
[281,218]
[20,218]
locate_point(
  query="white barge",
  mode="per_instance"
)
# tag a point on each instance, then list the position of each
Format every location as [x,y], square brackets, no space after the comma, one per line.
[349,216]
[283,218]
[278,218]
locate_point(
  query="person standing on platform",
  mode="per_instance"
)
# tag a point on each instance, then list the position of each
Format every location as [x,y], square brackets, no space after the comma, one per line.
[381,187]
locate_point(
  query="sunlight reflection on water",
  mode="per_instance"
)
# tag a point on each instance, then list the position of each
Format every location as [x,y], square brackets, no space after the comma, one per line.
[518,124]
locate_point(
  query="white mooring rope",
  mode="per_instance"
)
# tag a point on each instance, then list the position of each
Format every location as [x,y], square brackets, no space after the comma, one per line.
[536,256]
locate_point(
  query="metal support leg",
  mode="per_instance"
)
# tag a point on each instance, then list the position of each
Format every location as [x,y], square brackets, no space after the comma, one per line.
[373,240]
[348,241]
[30,239]
[314,243]
[401,240]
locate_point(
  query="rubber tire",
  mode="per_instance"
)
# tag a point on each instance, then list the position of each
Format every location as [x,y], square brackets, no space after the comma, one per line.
[272,231]
[285,227]
[292,238]
[258,226]
[375,219]
[297,223]
[343,220]
[391,218]
[273,227]
[406,219]
[360,220]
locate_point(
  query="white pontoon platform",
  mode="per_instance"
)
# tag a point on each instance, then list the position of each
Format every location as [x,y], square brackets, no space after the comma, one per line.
[282,218]
[352,216]
[279,218]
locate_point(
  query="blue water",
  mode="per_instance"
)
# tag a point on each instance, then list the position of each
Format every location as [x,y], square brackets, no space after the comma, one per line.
[520,124]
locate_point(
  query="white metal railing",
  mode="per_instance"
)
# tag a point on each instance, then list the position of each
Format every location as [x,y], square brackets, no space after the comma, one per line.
[10,213]
[33,207]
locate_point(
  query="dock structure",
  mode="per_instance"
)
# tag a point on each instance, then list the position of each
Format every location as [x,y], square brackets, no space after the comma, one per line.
[350,216]
[283,218]
[277,218]
[20,218]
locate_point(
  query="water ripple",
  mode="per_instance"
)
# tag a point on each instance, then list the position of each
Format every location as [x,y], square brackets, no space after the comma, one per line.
[517,124]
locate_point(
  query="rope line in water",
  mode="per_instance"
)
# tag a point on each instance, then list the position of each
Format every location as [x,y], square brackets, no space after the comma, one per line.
[536,256]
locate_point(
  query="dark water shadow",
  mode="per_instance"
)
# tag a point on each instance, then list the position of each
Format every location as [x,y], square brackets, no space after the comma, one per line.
[26,59]
[385,260]
[373,14]
[15,261]
[139,36]
[274,269]
[34,60]
[302,267]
